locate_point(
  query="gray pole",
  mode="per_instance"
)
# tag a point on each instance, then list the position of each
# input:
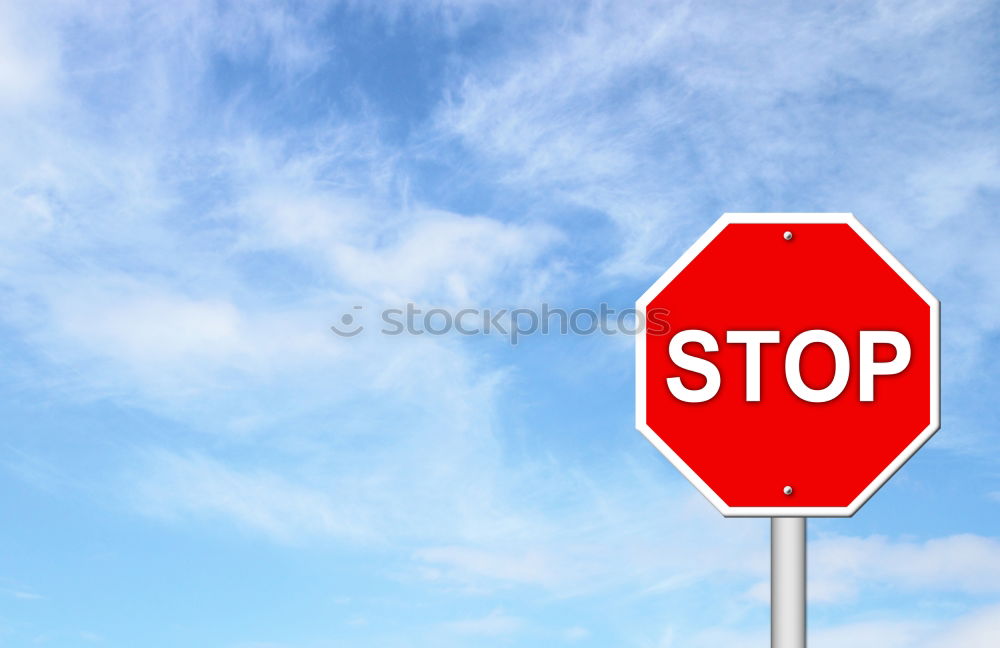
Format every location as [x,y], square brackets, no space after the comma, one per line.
[788,582]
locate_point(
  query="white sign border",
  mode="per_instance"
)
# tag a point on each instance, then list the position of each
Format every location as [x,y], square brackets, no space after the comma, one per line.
[890,470]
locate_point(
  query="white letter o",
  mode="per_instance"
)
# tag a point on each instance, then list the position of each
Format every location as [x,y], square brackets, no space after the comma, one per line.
[842,366]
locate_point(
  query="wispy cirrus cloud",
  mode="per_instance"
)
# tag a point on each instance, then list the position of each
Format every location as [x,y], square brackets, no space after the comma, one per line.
[190,204]
[685,106]
[662,116]
[259,500]
[174,258]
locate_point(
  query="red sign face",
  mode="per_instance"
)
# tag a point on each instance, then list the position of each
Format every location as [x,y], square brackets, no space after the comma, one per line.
[797,368]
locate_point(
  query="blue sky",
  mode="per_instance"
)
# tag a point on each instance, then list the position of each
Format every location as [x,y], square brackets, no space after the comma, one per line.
[192,193]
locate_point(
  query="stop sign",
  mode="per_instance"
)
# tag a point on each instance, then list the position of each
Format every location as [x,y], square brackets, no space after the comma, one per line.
[788,366]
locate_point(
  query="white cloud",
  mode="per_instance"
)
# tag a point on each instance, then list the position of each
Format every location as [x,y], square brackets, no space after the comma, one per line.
[671,554]
[29,65]
[404,449]
[173,484]
[652,113]
[148,329]
[496,623]
[140,243]
[607,537]
[127,287]
[965,563]
[27,596]
[471,564]
[842,568]
[664,115]
[872,634]
[445,256]
[140,212]
[373,241]
[976,629]
[499,524]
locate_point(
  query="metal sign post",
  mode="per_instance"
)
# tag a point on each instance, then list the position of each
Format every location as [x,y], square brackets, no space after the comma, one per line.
[788,582]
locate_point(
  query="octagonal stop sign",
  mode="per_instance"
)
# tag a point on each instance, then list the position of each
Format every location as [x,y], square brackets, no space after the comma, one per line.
[788,366]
